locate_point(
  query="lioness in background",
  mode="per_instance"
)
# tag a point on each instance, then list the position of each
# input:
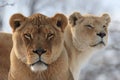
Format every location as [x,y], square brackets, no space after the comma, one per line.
[83,36]
[5,48]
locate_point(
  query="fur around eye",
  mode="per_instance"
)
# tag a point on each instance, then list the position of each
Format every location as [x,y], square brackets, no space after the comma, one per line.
[27,36]
[89,26]
[50,36]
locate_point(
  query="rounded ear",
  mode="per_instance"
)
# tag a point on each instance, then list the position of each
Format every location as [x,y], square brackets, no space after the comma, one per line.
[74,18]
[60,21]
[16,21]
[106,17]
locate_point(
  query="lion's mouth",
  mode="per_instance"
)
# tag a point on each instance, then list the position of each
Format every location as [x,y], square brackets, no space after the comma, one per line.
[39,62]
[101,42]
[38,66]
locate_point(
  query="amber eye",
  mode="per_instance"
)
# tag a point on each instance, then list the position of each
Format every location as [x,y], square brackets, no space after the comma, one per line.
[28,36]
[50,36]
[89,26]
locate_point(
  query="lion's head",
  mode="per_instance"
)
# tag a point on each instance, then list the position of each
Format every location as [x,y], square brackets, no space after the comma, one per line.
[89,32]
[38,39]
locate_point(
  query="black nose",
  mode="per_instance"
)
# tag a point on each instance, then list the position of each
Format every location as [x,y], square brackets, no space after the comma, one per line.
[39,51]
[101,34]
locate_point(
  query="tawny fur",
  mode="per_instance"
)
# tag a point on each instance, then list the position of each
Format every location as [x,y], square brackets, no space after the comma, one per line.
[76,56]
[5,48]
[21,54]
[80,36]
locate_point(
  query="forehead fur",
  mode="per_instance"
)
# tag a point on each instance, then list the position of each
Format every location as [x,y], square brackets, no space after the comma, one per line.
[39,19]
[90,16]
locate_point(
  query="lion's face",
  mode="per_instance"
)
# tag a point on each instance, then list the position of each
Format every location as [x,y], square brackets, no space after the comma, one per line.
[38,40]
[89,31]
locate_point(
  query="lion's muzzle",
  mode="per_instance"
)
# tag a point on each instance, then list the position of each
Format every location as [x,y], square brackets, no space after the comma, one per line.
[40,51]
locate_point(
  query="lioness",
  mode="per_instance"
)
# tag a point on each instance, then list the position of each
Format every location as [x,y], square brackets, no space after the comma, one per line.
[5,48]
[83,35]
[38,51]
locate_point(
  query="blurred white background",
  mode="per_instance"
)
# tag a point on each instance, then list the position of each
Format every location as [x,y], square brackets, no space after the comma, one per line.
[104,65]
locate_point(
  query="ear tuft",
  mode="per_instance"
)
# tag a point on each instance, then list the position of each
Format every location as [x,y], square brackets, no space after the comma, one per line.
[74,18]
[16,24]
[106,17]
[60,21]
[16,21]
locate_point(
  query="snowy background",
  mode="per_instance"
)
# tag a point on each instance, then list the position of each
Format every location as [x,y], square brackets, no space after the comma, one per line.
[104,65]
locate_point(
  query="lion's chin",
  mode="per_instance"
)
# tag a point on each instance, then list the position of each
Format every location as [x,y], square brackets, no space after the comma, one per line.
[39,66]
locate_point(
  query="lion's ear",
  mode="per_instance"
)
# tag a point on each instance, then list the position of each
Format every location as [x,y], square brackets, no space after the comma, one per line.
[74,18]
[60,21]
[16,21]
[106,17]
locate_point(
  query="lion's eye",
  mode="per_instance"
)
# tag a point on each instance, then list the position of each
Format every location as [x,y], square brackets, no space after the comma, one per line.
[89,26]
[27,36]
[104,26]
[50,36]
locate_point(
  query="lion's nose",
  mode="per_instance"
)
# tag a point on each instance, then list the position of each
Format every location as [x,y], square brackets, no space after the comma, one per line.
[101,34]
[39,51]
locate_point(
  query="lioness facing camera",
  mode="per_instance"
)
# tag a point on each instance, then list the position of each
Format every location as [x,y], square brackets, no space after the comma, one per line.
[83,35]
[38,51]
